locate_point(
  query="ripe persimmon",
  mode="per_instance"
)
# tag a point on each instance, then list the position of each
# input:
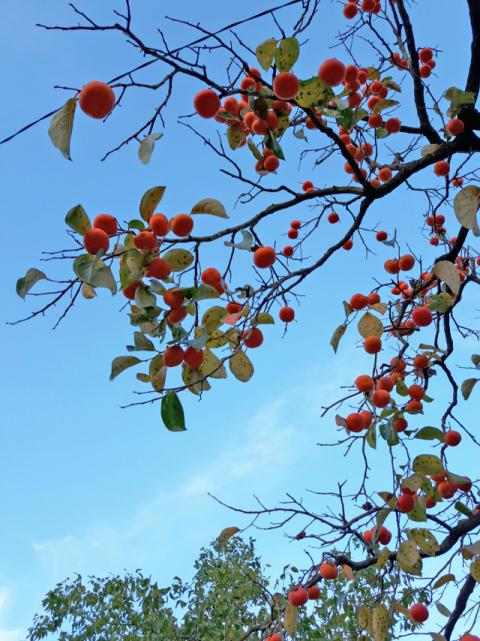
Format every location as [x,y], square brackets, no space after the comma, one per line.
[287,251]
[367,417]
[328,571]
[129,292]
[358,301]
[457,182]
[430,502]
[271,163]
[145,240]
[419,612]
[425,71]
[386,383]
[177,315]
[253,337]
[422,316]
[455,126]
[393,125]
[233,307]
[384,174]
[182,225]
[94,240]
[368,6]
[348,245]
[372,344]
[193,358]
[421,361]
[438,478]
[295,224]
[391,266]
[350,10]
[107,223]
[355,422]
[400,424]
[381,235]
[381,398]
[173,298]
[364,383]
[446,489]
[406,262]
[173,356]
[413,406]
[441,168]
[452,438]
[260,127]
[286,314]
[314,593]
[159,224]
[416,392]
[425,55]
[264,257]
[332,72]
[96,99]
[307,185]
[333,218]
[354,100]
[206,103]
[406,503]
[159,268]
[211,276]
[285,85]
[375,121]
[298,597]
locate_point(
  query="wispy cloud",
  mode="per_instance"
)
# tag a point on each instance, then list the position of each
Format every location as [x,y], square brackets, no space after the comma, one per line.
[8,635]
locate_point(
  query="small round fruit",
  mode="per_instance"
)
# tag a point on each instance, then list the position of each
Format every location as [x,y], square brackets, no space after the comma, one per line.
[355,422]
[372,344]
[96,99]
[416,392]
[421,361]
[452,438]
[328,571]
[455,126]
[255,337]
[381,235]
[422,316]
[430,502]
[314,593]
[333,218]
[466,487]
[287,251]
[358,301]
[193,358]
[211,276]
[182,225]
[438,478]
[393,125]
[364,383]
[292,234]
[177,315]
[406,262]
[368,536]
[298,597]
[350,10]
[414,406]
[425,55]
[173,298]
[94,240]
[381,398]
[419,612]
[233,307]
[384,174]
[307,185]
[367,417]
[400,366]
[285,86]
[441,168]
[172,356]
[129,292]
[159,224]
[446,489]
[271,163]
[348,245]
[295,224]
[286,314]
[332,72]
[145,240]
[400,424]
[107,223]
[406,503]
[159,268]
[373,298]
[274,637]
[206,103]
[264,257]
[386,383]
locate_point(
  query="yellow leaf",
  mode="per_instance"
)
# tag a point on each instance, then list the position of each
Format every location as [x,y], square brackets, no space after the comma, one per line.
[149,202]
[178,259]
[225,535]
[209,206]
[408,553]
[370,325]
[403,610]
[389,499]
[212,366]
[265,52]
[241,366]
[466,205]
[383,558]
[446,578]
[446,271]
[380,622]
[425,540]
[290,620]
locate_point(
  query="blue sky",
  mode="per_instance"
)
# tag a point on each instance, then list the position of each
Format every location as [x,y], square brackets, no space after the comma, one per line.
[87,486]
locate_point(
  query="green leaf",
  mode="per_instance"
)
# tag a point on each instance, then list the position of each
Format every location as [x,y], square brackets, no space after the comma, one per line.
[178,259]
[94,272]
[241,366]
[264,319]
[272,144]
[427,464]
[401,388]
[381,132]
[384,104]
[373,73]
[314,93]
[149,202]
[383,558]
[265,52]
[372,436]
[467,387]
[430,434]
[203,292]
[391,84]
[283,124]
[24,285]
[144,297]
[235,136]
[446,271]
[466,205]
[172,413]
[146,147]
[380,518]
[458,98]
[287,54]
[463,509]
[136,224]
[200,339]
[157,373]
[209,206]
[475,358]
[346,118]
[142,343]
[440,303]
[213,318]
[156,287]
[443,610]
[61,125]
[121,363]
[194,379]
[456,478]
[359,115]
[419,512]
[246,243]
[78,220]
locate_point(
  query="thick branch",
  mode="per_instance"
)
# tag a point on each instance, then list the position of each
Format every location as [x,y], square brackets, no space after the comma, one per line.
[461,604]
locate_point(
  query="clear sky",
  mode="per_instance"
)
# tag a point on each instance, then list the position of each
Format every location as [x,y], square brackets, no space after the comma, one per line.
[86,486]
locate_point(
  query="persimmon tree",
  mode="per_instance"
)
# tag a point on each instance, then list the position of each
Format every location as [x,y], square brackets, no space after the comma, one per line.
[196,320]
